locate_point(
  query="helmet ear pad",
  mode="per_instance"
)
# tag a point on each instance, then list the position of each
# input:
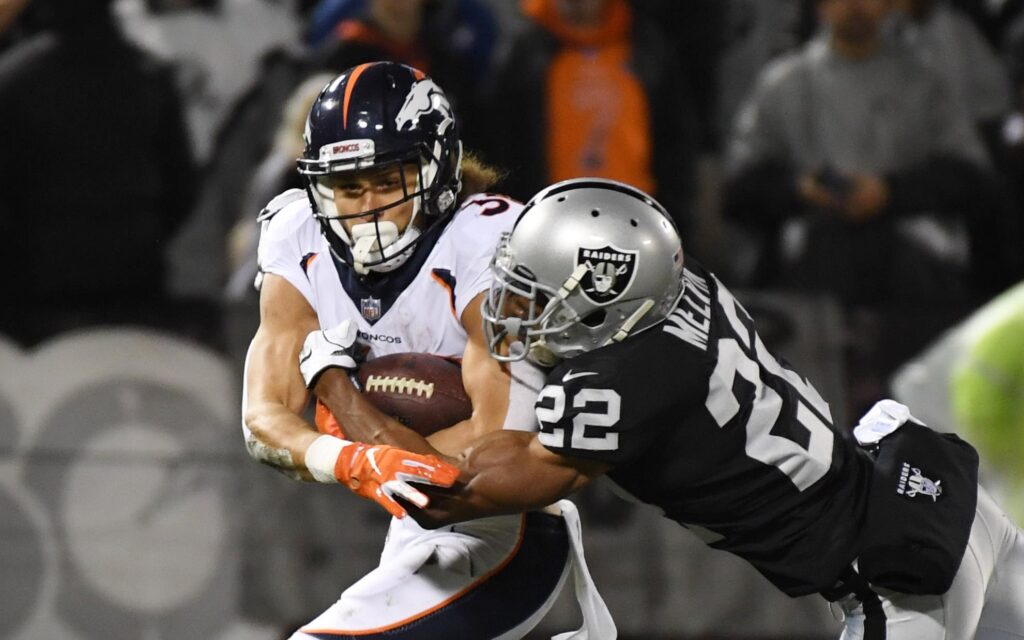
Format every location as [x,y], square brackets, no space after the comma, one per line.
[376,114]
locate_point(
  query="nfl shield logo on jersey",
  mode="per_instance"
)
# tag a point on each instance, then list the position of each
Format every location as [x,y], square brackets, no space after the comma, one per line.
[609,272]
[370,308]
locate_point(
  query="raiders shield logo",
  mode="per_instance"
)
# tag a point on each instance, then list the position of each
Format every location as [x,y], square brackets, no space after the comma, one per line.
[609,272]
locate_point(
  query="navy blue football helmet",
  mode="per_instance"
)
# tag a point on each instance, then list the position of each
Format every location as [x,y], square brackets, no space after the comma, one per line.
[375,116]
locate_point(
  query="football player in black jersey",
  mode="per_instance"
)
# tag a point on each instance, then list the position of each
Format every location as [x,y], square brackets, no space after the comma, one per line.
[659,380]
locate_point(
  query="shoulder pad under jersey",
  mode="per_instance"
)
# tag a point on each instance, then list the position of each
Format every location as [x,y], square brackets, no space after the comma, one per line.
[279,202]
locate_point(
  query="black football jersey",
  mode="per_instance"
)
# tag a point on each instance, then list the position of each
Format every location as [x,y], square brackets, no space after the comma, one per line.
[699,419]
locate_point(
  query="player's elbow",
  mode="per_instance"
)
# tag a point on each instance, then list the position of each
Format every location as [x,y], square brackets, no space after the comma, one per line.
[480,425]
[256,447]
[253,421]
[257,436]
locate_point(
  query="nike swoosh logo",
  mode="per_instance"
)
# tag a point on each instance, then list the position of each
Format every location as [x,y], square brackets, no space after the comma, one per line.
[569,375]
[372,456]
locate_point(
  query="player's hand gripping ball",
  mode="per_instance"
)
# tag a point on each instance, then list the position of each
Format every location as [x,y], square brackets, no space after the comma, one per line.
[422,391]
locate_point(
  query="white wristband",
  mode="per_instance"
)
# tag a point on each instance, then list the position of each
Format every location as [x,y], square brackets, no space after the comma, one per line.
[321,456]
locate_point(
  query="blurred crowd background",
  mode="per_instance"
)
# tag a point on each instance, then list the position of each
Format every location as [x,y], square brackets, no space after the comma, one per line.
[854,167]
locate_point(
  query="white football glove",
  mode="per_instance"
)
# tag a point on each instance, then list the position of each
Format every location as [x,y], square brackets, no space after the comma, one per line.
[334,347]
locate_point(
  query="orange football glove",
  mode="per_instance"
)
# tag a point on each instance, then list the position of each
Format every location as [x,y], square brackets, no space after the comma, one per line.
[381,472]
[326,422]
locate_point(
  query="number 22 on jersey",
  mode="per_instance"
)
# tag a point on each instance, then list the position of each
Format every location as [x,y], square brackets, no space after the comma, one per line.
[609,399]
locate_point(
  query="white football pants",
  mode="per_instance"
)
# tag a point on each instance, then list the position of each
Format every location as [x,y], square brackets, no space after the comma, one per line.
[486,579]
[985,602]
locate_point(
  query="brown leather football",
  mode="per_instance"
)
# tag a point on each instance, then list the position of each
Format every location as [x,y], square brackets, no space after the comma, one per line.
[422,391]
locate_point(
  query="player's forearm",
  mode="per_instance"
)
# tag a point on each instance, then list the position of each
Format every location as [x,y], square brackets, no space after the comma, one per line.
[499,476]
[361,421]
[486,494]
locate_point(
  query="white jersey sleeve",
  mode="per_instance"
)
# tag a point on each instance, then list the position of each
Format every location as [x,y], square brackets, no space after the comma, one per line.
[527,382]
[289,238]
[478,227]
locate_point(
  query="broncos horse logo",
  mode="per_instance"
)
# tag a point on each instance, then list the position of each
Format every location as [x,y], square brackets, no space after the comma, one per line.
[424,97]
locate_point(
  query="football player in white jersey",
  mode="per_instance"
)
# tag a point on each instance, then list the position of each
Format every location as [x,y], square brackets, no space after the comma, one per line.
[389,247]
[663,384]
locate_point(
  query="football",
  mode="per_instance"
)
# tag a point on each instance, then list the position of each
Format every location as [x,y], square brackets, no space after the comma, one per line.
[422,391]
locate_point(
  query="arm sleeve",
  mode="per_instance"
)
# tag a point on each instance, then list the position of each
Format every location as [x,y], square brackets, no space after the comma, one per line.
[527,381]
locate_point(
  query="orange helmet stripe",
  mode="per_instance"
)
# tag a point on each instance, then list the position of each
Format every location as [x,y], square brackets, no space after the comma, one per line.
[352,79]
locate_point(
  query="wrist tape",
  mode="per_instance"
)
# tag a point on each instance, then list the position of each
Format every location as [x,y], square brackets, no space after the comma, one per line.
[322,457]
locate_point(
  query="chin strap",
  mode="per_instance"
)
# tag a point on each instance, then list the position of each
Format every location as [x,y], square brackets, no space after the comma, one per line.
[630,322]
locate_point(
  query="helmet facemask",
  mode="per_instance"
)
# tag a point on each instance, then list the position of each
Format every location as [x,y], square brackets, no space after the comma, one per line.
[378,245]
[523,312]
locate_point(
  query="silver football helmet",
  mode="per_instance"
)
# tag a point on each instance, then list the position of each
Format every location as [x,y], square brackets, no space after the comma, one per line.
[589,262]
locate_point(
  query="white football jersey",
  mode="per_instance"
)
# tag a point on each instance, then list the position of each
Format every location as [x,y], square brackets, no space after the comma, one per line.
[421,313]
[424,315]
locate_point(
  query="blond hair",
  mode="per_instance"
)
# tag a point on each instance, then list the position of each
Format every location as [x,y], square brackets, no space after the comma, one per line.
[296,109]
[477,176]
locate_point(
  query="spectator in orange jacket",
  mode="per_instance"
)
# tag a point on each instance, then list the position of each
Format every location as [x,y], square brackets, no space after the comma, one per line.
[591,89]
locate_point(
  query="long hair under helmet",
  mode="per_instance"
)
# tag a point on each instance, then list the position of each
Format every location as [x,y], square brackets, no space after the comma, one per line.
[375,116]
